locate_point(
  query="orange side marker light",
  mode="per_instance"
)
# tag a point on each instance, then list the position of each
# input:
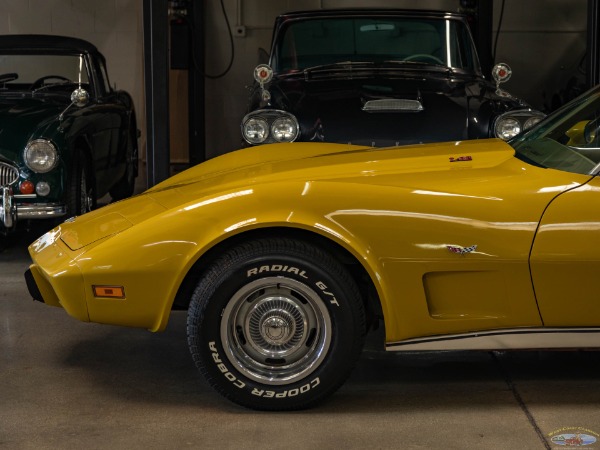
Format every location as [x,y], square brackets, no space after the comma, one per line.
[109,291]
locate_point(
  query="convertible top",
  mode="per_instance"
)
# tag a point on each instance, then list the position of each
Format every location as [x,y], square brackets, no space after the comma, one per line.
[16,42]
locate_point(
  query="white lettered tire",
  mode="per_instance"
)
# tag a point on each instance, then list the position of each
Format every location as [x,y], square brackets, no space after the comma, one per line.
[276,324]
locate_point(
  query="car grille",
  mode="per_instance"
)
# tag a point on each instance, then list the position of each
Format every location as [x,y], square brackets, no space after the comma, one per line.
[8,174]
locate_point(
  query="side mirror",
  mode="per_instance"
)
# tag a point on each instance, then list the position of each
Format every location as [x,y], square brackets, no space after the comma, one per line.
[263,74]
[80,97]
[576,134]
[591,132]
[501,73]
[583,134]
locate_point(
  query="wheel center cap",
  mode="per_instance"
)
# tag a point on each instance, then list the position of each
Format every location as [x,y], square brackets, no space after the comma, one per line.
[276,330]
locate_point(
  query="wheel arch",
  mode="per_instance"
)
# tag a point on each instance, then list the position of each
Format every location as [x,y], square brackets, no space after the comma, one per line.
[367,288]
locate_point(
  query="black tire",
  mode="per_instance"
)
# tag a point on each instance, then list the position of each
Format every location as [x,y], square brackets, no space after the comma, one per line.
[126,185]
[276,324]
[80,191]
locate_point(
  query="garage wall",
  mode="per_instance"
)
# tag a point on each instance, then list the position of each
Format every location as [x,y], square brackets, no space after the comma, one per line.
[544,43]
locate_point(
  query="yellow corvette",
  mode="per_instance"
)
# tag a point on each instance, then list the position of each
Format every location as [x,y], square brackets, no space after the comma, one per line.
[286,255]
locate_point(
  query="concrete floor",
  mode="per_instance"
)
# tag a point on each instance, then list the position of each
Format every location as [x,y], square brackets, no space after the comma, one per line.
[66,384]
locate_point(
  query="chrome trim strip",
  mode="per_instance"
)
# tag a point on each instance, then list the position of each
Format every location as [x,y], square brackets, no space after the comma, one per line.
[41,211]
[508,339]
[26,196]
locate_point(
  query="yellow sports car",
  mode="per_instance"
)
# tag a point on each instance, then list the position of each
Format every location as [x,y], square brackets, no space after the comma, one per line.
[286,255]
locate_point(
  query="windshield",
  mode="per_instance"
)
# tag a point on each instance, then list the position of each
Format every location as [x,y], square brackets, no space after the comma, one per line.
[568,140]
[32,71]
[321,41]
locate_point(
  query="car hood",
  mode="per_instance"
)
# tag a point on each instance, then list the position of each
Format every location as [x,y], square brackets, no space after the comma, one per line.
[324,162]
[268,168]
[21,117]
[333,109]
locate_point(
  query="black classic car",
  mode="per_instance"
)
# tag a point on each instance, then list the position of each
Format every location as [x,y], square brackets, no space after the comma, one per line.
[380,78]
[67,137]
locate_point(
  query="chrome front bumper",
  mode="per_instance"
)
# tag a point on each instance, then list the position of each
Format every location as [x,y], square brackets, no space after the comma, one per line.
[10,212]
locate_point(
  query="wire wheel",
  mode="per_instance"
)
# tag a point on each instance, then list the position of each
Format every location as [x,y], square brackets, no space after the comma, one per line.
[276,330]
[85,194]
[80,192]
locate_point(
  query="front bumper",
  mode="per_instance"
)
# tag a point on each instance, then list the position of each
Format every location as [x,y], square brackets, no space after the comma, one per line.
[54,278]
[11,212]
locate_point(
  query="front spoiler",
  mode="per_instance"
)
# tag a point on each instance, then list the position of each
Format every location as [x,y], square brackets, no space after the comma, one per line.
[32,287]
[39,288]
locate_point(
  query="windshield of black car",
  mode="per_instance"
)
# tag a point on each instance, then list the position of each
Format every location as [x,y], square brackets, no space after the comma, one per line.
[37,70]
[307,43]
[568,140]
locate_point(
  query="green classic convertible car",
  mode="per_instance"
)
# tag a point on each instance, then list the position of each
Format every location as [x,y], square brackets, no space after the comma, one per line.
[68,138]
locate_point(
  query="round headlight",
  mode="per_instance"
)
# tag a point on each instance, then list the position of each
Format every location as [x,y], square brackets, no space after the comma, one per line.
[507,128]
[41,156]
[284,129]
[256,131]
[531,122]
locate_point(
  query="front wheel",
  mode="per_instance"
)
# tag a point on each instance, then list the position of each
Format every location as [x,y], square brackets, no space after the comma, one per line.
[276,324]
[80,192]
[126,185]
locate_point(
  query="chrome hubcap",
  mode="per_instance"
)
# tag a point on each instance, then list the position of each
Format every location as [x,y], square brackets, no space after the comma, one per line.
[276,330]
[276,325]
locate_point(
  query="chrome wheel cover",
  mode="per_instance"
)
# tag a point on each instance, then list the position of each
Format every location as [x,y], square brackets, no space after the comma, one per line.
[276,330]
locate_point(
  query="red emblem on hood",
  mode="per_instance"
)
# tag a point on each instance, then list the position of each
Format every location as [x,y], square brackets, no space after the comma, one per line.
[461,158]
